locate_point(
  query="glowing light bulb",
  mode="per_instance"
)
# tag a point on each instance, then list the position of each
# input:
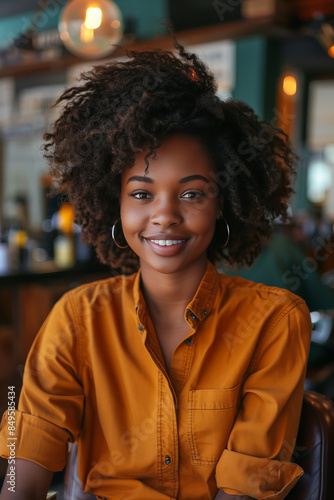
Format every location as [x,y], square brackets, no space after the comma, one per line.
[90,28]
[331,51]
[289,85]
[93,18]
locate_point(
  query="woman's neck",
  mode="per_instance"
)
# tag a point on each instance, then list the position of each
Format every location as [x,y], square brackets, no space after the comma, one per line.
[169,294]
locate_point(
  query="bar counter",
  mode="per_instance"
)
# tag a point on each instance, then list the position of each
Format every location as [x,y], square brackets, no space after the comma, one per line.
[26,299]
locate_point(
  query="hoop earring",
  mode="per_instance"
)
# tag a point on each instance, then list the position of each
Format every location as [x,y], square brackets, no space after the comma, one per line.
[221,216]
[113,235]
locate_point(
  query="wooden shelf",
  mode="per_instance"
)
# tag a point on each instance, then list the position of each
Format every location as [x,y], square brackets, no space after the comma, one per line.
[265,26]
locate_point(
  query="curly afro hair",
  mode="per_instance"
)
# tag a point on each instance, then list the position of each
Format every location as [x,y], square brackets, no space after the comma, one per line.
[126,105]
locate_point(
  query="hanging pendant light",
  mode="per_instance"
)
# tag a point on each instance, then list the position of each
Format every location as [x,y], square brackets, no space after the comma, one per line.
[89,28]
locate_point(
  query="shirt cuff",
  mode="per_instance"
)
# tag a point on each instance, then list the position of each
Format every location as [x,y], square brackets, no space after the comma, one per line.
[259,478]
[35,439]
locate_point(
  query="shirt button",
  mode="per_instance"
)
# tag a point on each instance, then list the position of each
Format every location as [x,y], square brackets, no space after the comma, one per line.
[168,460]
[193,316]
[204,312]
[188,341]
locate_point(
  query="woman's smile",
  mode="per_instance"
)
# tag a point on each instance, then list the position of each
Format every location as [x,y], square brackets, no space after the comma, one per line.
[166,247]
[166,240]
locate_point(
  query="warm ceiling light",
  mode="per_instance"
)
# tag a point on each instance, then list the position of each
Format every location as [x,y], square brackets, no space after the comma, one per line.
[90,28]
[289,85]
[331,51]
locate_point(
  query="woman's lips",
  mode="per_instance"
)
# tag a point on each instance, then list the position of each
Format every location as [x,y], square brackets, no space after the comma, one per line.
[166,247]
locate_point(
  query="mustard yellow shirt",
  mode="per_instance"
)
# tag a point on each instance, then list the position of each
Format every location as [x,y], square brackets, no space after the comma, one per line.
[225,417]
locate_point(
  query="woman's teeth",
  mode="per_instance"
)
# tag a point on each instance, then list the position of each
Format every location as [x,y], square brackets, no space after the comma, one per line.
[167,243]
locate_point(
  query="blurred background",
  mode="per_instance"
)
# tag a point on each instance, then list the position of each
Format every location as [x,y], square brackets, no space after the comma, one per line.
[277,55]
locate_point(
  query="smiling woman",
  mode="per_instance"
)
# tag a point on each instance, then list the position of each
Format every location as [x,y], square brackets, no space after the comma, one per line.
[176,381]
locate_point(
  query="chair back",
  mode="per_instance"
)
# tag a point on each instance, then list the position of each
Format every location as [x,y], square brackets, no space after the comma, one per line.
[314,450]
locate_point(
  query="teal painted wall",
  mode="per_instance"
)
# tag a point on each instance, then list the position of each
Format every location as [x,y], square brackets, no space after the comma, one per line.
[250,68]
[146,13]
[258,67]
[11,27]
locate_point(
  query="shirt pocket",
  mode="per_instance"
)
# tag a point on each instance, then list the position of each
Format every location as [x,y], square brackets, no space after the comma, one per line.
[210,417]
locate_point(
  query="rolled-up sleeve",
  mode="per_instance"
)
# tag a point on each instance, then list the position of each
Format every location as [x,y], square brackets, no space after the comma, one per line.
[51,403]
[256,461]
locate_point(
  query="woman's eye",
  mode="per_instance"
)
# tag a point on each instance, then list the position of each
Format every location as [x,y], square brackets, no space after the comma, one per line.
[193,195]
[140,195]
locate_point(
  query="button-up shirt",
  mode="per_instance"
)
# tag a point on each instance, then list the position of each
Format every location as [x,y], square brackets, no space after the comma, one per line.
[225,415]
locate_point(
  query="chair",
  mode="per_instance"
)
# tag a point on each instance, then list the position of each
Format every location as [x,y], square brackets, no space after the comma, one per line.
[314,452]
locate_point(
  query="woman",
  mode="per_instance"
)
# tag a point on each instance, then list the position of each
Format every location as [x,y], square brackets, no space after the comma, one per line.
[175,381]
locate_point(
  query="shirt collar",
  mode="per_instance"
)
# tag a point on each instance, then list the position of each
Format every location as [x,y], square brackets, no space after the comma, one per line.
[199,307]
[203,300]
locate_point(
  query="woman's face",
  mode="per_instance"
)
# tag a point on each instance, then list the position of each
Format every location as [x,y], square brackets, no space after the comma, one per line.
[169,213]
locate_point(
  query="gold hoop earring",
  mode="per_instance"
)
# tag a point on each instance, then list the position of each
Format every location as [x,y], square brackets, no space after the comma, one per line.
[221,216]
[113,235]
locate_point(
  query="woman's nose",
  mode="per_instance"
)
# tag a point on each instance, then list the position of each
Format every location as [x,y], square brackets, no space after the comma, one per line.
[166,213]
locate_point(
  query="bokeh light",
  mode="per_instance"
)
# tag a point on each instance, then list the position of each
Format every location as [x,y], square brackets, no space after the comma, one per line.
[289,85]
[89,28]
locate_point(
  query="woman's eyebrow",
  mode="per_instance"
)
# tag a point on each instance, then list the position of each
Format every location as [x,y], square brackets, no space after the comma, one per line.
[193,178]
[140,178]
[149,180]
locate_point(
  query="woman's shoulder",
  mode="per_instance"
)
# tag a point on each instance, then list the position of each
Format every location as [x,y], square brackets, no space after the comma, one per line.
[108,289]
[241,289]
[265,309]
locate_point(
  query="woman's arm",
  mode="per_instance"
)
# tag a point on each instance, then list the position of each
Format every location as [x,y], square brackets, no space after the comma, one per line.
[255,461]
[31,481]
